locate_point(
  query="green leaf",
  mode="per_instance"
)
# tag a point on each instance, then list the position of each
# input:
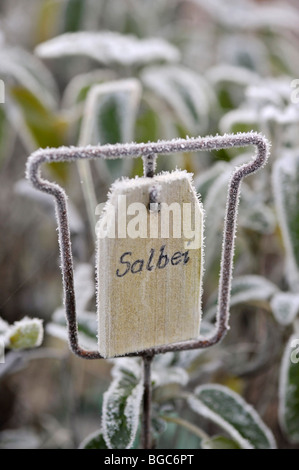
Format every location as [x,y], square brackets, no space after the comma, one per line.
[29,72]
[219,442]
[233,414]
[285,307]
[251,289]
[186,92]
[109,117]
[108,47]
[46,128]
[286,195]
[74,11]
[26,333]
[289,390]
[121,406]
[94,441]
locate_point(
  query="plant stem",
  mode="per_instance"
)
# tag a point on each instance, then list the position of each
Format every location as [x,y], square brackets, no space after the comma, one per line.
[147,401]
[185,424]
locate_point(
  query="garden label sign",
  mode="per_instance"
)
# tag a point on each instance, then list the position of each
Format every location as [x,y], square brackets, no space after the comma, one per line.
[149,264]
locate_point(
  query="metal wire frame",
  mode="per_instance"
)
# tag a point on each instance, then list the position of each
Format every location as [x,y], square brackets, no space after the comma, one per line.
[149,153]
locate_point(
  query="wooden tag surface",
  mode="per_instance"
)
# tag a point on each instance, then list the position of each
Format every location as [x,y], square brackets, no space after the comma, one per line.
[148,280]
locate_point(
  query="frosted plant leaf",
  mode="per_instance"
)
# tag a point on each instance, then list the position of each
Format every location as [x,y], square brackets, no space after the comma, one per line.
[95,440]
[290,115]
[244,14]
[228,410]
[109,48]
[235,49]
[126,366]
[248,117]
[121,410]
[285,307]
[254,214]
[258,218]
[205,179]
[77,89]
[109,117]
[215,203]
[285,183]
[286,51]
[232,74]
[26,333]
[30,73]
[60,332]
[165,360]
[251,289]
[121,99]
[24,188]
[84,285]
[219,442]
[87,321]
[87,327]
[169,375]
[185,91]
[4,326]
[275,91]
[22,438]
[289,390]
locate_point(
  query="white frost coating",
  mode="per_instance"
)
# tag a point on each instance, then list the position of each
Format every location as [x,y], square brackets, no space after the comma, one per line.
[275,91]
[181,88]
[109,47]
[60,332]
[285,307]
[286,167]
[89,438]
[255,214]
[3,326]
[126,93]
[200,408]
[126,364]
[232,74]
[243,116]
[288,115]
[244,14]
[26,333]
[215,204]
[283,383]
[84,285]
[24,188]
[111,420]
[171,375]
[81,81]
[132,411]
[249,288]
[86,319]
[30,73]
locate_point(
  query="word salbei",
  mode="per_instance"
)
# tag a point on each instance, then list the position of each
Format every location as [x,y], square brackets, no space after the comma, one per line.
[150,264]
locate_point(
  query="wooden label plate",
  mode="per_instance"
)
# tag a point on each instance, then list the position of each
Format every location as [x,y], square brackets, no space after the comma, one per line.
[149,264]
